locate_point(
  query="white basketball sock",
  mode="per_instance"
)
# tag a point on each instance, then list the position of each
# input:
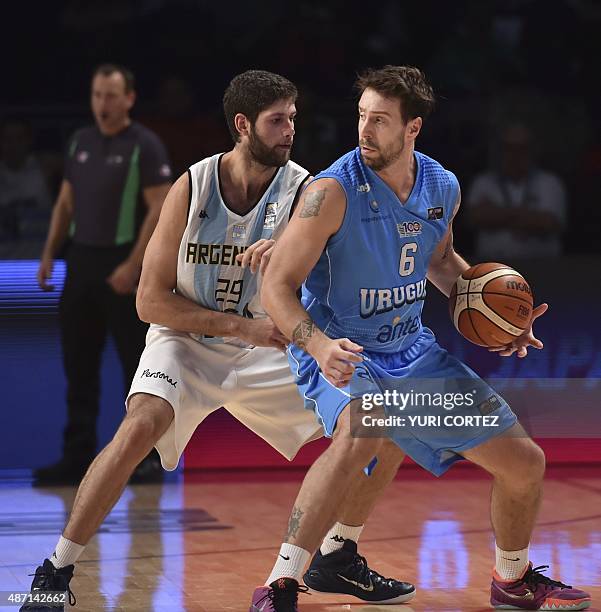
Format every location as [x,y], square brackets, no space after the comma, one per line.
[335,538]
[290,564]
[66,553]
[510,564]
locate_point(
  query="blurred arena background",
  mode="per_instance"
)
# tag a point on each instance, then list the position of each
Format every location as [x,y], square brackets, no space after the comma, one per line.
[492,65]
[518,89]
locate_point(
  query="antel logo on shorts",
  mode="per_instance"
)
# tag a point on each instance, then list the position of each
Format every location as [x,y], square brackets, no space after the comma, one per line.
[150,374]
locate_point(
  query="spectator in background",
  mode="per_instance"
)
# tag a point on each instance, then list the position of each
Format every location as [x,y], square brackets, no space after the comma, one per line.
[24,196]
[517,209]
[116,178]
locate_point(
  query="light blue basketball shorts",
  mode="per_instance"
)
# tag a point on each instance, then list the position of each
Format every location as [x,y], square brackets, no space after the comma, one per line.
[428,402]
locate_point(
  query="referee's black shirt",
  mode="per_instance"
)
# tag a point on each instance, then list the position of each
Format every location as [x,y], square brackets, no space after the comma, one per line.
[108,175]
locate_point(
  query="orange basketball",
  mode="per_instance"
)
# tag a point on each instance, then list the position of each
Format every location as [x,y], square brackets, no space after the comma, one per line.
[491,304]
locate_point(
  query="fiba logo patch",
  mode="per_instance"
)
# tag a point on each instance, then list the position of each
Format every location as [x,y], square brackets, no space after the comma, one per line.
[271,213]
[374,206]
[435,213]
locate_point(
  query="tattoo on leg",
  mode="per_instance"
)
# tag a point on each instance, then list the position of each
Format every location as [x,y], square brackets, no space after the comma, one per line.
[312,203]
[302,333]
[293,523]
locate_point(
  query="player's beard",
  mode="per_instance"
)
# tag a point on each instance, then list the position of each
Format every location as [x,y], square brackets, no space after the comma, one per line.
[272,157]
[385,158]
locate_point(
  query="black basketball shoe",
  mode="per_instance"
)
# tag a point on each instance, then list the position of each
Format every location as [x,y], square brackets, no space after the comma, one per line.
[149,470]
[67,471]
[49,580]
[280,596]
[345,571]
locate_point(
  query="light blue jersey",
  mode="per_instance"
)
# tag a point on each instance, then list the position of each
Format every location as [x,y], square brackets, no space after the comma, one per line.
[369,284]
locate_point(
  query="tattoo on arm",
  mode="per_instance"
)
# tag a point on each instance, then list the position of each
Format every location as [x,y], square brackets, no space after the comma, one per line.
[293,523]
[448,246]
[312,203]
[302,333]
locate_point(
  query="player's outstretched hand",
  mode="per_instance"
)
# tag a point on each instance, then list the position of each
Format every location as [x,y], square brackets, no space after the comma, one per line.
[337,358]
[257,255]
[262,332]
[527,339]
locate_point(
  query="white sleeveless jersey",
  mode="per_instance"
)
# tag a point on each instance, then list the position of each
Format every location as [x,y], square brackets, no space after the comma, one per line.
[207,271]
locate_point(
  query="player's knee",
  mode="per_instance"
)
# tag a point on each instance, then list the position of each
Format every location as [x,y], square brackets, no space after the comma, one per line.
[390,454]
[534,462]
[353,450]
[528,460]
[356,452]
[147,419]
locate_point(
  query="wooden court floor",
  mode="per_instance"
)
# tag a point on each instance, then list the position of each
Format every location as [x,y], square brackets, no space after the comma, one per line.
[204,545]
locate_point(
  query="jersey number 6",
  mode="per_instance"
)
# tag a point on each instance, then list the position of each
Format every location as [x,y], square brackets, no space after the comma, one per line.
[407,259]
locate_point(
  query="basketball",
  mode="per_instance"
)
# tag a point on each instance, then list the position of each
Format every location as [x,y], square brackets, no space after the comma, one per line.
[491,304]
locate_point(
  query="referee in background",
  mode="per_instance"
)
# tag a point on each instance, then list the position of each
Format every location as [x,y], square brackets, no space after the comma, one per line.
[116,177]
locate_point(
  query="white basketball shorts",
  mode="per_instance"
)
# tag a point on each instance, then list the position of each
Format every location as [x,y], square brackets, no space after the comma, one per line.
[254,385]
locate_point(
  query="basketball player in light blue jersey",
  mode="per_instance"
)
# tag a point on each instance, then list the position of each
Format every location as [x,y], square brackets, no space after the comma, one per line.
[371,230]
[210,343]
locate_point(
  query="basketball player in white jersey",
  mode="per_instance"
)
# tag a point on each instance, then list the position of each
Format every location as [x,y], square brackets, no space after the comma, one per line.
[210,344]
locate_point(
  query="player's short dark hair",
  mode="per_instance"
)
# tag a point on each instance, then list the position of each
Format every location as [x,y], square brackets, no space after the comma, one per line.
[253,91]
[126,73]
[406,83]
